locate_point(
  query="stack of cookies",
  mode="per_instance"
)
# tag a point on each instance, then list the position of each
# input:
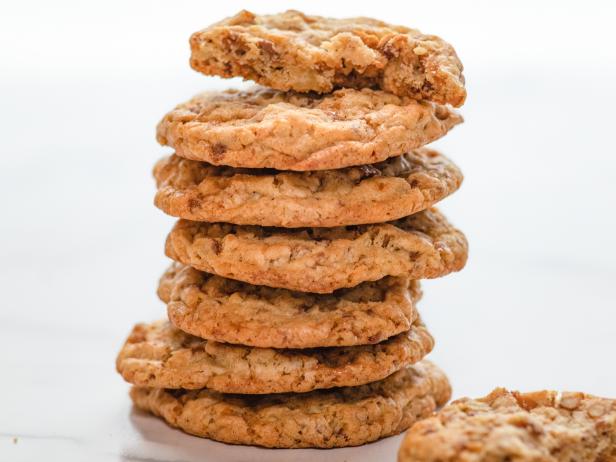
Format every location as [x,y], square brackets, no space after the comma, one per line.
[305,222]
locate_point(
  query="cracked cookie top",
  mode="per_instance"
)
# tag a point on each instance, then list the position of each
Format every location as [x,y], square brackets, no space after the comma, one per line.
[385,191]
[322,418]
[294,51]
[321,260]
[539,426]
[264,128]
[162,356]
[226,310]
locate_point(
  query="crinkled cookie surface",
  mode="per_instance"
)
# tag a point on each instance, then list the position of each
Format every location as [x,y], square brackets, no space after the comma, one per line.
[264,128]
[321,419]
[295,51]
[388,190]
[544,426]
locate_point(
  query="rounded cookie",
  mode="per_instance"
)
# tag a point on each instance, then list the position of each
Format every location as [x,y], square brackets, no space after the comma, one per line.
[536,426]
[264,128]
[321,260]
[321,419]
[160,355]
[294,51]
[392,189]
[230,311]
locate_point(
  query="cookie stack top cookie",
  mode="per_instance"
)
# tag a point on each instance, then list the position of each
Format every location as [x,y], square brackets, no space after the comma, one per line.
[305,220]
[294,51]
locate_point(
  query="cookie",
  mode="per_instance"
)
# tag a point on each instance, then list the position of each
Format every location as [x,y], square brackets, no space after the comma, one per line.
[162,356]
[540,426]
[229,311]
[321,260]
[392,189]
[321,419]
[293,51]
[264,128]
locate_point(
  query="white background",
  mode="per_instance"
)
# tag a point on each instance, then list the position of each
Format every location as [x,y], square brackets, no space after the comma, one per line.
[82,86]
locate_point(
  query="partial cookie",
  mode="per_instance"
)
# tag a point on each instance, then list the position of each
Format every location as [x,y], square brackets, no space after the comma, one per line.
[264,128]
[392,189]
[321,260]
[162,356]
[225,310]
[540,426]
[293,51]
[322,419]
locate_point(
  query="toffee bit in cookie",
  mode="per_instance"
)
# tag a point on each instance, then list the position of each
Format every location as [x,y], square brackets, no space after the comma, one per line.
[218,150]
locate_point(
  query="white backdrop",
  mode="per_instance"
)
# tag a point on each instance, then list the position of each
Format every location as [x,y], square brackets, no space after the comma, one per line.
[82,86]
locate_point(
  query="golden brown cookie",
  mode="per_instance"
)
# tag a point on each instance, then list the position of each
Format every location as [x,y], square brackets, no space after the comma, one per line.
[321,260]
[225,310]
[162,356]
[294,51]
[392,189]
[321,419]
[544,426]
[264,128]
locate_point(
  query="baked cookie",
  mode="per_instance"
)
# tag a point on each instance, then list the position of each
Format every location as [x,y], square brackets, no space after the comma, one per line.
[264,128]
[392,189]
[321,260]
[293,51]
[540,426]
[162,356]
[229,311]
[321,419]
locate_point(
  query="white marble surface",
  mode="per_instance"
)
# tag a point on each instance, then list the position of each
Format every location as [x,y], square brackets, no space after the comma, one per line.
[81,87]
